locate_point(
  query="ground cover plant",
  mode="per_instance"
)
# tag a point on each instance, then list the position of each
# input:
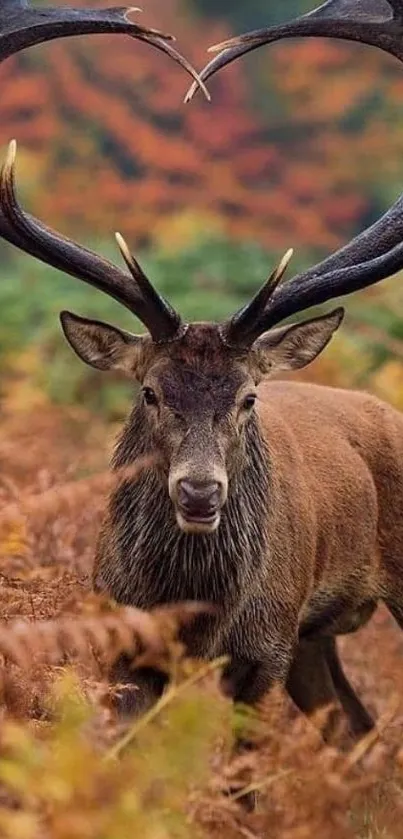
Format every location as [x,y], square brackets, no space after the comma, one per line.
[69,768]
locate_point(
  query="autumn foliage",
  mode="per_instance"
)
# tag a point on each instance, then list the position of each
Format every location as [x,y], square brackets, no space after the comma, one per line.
[296,146]
[105,116]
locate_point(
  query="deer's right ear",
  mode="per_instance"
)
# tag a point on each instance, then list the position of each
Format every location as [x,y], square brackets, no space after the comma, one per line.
[103,346]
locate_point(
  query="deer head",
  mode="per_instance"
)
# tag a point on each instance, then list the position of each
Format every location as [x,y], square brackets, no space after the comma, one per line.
[22,26]
[198,381]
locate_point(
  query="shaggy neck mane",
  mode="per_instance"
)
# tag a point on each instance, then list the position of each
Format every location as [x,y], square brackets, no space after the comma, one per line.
[159,562]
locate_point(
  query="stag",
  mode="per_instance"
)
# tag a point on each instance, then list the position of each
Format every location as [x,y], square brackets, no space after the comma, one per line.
[279,503]
[375,22]
[22,26]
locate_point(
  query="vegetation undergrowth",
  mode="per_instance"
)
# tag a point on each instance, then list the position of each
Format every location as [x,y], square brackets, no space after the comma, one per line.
[70,769]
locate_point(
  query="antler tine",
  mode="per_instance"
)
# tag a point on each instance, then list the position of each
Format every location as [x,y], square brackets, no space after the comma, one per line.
[22,27]
[168,49]
[237,330]
[375,22]
[30,235]
[155,301]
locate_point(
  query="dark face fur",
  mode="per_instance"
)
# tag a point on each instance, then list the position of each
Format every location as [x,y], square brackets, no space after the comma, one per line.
[197,399]
[197,403]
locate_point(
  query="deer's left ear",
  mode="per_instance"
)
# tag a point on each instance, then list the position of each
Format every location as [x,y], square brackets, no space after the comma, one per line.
[295,346]
[104,346]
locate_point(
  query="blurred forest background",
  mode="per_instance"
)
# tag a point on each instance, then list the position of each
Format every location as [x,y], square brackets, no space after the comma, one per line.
[301,146]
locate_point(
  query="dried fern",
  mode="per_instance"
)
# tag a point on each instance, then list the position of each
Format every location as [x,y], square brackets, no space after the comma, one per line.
[105,635]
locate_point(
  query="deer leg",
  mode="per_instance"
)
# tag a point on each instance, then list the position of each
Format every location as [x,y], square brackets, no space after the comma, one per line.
[359,719]
[247,682]
[316,680]
[137,688]
[310,684]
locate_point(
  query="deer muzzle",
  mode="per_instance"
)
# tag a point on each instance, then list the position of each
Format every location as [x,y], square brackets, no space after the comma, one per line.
[198,504]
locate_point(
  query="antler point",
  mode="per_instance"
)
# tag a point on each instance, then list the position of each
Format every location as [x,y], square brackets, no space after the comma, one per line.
[190,94]
[216,47]
[284,263]
[11,154]
[123,247]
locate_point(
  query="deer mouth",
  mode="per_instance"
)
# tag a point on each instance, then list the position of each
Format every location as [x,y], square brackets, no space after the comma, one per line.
[198,521]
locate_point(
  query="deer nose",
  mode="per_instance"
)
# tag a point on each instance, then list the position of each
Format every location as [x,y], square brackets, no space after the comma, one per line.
[199,500]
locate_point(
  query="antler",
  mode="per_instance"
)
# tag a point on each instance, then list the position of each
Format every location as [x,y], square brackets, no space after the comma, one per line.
[372,256]
[375,22]
[22,26]
[134,292]
[376,253]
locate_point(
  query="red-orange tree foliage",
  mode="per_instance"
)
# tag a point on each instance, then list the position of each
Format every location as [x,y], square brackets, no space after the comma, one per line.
[105,142]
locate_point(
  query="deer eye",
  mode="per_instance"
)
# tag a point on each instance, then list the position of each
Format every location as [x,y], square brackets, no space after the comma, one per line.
[149,396]
[249,402]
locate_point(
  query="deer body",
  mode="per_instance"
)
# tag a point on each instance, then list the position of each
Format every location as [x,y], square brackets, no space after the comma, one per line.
[310,540]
